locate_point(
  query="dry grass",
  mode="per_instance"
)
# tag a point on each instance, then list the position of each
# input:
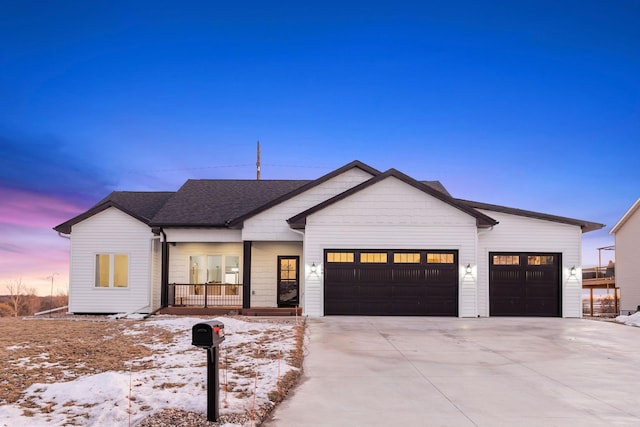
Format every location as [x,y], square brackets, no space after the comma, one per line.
[66,349]
[62,349]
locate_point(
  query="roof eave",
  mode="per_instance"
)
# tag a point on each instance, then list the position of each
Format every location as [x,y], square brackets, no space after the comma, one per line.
[625,217]
[482,220]
[585,226]
[65,227]
[187,225]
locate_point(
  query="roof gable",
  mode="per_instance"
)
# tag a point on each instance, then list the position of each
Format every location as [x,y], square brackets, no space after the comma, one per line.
[586,226]
[140,205]
[482,220]
[237,222]
[632,210]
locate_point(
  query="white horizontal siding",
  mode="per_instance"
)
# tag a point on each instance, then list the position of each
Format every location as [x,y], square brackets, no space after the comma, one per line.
[202,235]
[389,215]
[627,259]
[110,231]
[264,270]
[521,234]
[271,225]
[180,253]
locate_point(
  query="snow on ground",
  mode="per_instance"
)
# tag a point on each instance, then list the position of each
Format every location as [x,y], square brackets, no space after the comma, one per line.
[632,320]
[178,379]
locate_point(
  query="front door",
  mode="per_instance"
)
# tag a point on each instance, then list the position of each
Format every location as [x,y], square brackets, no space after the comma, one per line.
[288,281]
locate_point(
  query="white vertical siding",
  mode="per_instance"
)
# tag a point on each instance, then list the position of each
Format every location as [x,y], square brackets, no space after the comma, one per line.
[110,231]
[264,270]
[389,215]
[180,253]
[271,224]
[627,260]
[521,234]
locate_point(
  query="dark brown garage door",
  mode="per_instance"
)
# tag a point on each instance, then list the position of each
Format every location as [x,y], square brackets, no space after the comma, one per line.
[524,284]
[398,282]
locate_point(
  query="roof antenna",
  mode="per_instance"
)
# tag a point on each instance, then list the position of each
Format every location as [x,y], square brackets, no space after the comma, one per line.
[258,163]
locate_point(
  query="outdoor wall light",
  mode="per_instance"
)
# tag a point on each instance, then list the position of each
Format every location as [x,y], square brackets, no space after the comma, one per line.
[468,269]
[573,270]
[313,267]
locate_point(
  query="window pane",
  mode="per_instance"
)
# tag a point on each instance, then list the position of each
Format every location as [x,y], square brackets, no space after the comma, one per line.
[288,269]
[413,258]
[439,258]
[541,260]
[232,269]
[196,269]
[340,257]
[506,260]
[214,269]
[120,271]
[102,270]
[373,257]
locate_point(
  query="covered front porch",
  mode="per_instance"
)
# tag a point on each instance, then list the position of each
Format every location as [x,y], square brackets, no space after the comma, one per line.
[249,278]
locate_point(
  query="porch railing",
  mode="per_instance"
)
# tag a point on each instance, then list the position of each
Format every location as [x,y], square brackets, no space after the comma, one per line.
[205,295]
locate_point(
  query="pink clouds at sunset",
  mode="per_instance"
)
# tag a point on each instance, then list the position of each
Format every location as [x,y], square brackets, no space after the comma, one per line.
[30,251]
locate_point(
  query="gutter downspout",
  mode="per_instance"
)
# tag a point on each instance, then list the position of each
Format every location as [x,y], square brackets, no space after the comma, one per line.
[246,274]
[164,265]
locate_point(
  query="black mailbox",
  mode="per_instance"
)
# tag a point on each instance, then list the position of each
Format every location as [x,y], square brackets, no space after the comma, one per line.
[207,334]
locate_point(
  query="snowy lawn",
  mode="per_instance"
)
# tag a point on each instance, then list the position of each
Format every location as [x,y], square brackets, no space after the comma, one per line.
[632,320]
[136,372]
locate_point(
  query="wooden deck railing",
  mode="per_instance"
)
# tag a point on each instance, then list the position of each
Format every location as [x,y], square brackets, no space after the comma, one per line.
[600,305]
[205,295]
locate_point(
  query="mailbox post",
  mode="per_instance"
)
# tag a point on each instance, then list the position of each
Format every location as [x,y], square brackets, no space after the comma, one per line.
[209,335]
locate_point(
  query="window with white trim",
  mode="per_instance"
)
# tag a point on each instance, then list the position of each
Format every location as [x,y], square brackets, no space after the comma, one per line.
[112,271]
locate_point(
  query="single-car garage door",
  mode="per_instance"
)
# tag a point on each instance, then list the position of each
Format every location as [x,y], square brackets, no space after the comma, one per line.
[391,282]
[524,284]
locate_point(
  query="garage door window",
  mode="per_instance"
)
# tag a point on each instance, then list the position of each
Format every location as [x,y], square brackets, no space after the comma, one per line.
[439,258]
[506,260]
[340,257]
[373,258]
[409,258]
[541,260]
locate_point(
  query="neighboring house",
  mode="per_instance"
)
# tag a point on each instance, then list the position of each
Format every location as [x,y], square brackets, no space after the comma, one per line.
[355,241]
[627,236]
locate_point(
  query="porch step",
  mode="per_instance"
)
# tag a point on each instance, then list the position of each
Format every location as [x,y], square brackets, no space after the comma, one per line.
[232,311]
[200,311]
[271,311]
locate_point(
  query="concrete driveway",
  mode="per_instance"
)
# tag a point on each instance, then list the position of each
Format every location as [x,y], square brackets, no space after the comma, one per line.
[425,371]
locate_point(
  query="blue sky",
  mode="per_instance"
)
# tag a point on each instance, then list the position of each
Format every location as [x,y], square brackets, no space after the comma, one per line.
[528,104]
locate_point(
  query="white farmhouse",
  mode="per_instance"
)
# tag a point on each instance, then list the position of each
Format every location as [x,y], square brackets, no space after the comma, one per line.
[356,241]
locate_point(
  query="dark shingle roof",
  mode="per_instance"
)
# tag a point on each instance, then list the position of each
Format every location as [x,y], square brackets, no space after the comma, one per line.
[139,204]
[227,203]
[213,203]
[585,225]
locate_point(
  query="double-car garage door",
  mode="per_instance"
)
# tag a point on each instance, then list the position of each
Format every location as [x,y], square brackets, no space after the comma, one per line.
[391,282]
